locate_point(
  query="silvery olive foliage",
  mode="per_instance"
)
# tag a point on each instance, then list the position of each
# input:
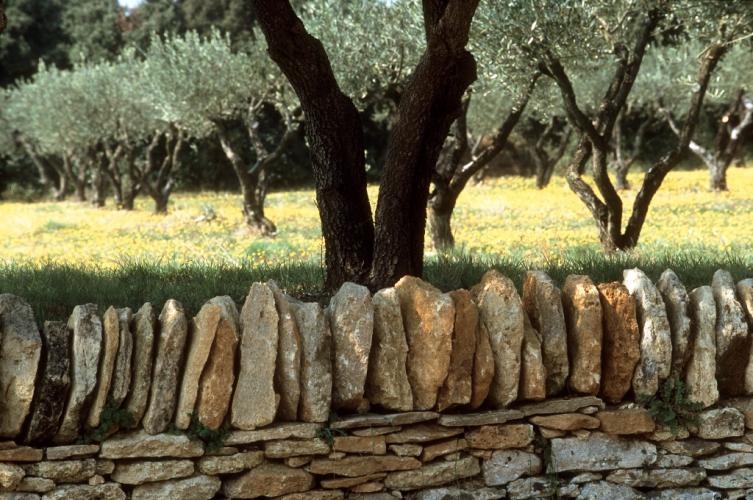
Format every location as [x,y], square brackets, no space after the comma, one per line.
[371,44]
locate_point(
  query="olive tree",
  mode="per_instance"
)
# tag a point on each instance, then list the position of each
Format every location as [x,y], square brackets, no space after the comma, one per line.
[664,86]
[357,249]
[205,88]
[563,38]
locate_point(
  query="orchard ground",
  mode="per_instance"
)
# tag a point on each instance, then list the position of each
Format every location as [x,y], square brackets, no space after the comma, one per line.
[57,255]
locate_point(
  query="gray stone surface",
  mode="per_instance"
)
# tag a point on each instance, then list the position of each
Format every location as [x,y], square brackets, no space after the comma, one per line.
[677,302]
[86,348]
[509,465]
[658,478]
[148,471]
[351,316]
[316,367]
[167,367]
[501,314]
[288,370]
[739,478]
[656,338]
[601,452]
[143,445]
[20,350]
[106,491]
[720,423]
[53,383]
[387,380]
[732,350]
[145,328]
[701,368]
[192,488]
[542,301]
[601,490]
[111,341]
[121,377]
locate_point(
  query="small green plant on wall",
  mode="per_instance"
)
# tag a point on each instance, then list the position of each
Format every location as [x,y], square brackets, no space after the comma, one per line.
[671,407]
[111,419]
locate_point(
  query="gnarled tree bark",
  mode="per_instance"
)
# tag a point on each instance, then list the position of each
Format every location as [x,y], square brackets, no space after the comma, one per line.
[428,106]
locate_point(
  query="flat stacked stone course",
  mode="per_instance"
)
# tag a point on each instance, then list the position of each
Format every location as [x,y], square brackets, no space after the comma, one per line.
[469,394]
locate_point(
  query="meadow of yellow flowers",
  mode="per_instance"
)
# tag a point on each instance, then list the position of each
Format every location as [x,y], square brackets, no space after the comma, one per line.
[505,216]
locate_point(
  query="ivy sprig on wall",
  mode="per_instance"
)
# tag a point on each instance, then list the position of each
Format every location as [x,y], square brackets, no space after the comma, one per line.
[671,407]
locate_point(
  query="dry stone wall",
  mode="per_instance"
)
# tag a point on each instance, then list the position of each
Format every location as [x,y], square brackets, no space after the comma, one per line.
[409,393]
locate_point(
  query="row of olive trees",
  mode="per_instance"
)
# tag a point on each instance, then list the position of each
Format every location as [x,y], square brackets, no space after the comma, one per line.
[121,126]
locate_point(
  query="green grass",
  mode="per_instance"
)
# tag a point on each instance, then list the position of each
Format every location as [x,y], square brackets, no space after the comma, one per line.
[55,289]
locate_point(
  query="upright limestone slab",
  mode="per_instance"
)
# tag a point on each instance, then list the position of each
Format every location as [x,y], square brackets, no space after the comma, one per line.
[87,350]
[255,402]
[316,365]
[483,367]
[732,343]
[701,373]
[745,296]
[656,340]
[542,301]
[458,385]
[53,383]
[621,346]
[387,380]
[201,337]
[164,392]
[20,350]
[288,369]
[582,306]
[532,370]
[428,315]
[121,377]
[218,378]
[145,327]
[501,313]
[111,324]
[352,322]
[678,313]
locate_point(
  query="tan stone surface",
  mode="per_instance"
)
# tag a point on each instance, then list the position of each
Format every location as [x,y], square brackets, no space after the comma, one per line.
[458,385]
[621,348]
[72,451]
[167,367]
[349,482]
[362,466]
[532,371]
[560,405]
[217,380]
[10,476]
[500,437]
[566,421]
[580,299]
[20,350]
[121,375]
[700,378]
[255,401]
[315,495]
[434,474]
[542,301]
[406,450]
[111,341]
[421,433]
[656,339]
[148,471]
[351,316]
[744,291]
[87,347]
[444,448]
[192,488]
[375,431]
[201,332]
[143,445]
[732,337]
[288,370]
[316,367]
[428,316]
[483,367]
[106,491]
[353,444]
[145,328]
[387,380]
[299,430]
[501,313]
[63,471]
[230,464]
[626,421]
[296,448]
[21,454]
[35,485]
[269,480]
